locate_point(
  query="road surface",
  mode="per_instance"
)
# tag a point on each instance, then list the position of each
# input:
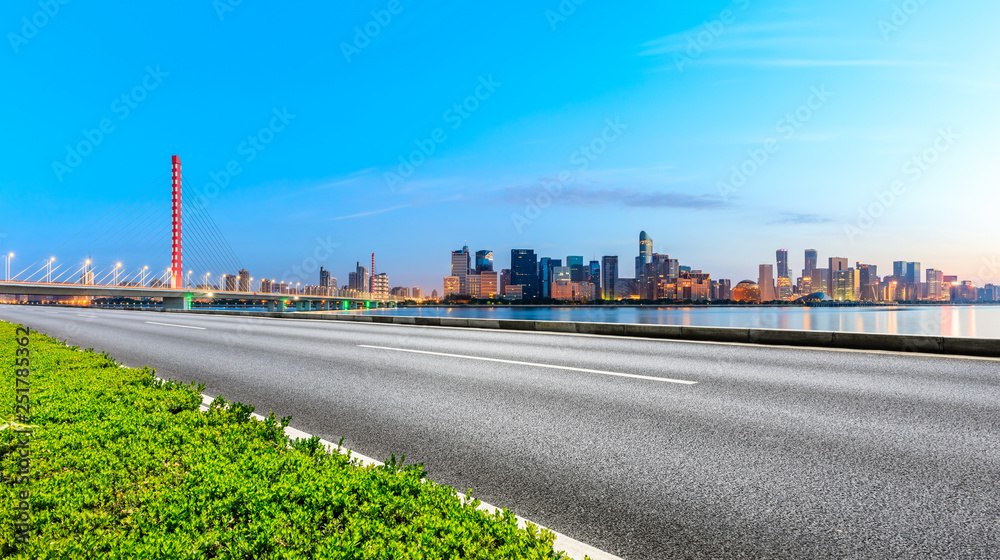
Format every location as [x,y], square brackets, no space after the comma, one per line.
[643,448]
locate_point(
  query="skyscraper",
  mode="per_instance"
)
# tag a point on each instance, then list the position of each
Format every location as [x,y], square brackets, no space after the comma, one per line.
[460,268]
[868,280]
[358,280]
[244,280]
[593,275]
[575,265]
[325,279]
[609,277]
[524,272]
[836,264]
[484,261]
[811,260]
[645,253]
[781,256]
[765,280]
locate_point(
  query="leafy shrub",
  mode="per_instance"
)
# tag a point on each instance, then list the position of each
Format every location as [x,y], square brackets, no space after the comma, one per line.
[127,467]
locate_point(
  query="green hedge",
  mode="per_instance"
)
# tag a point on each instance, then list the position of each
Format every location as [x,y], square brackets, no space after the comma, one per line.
[125,466]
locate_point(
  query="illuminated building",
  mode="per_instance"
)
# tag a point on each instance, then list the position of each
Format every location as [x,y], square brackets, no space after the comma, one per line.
[524,272]
[245,281]
[472,285]
[818,283]
[765,281]
[484,261]
[784,288]
[747,291]
[609,277]
[460,268]
[935,282]
[781,256]
[451,286]
[845,285]
[573,291]
[488,288]
[575,265]
[836,264]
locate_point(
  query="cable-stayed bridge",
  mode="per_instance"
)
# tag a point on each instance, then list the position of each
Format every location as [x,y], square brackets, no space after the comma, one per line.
[162,243]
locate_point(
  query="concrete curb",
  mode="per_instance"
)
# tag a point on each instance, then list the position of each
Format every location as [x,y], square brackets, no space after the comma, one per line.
[573,548]
[944,345]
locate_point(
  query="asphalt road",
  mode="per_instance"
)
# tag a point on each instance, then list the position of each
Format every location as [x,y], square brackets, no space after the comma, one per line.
[773,453]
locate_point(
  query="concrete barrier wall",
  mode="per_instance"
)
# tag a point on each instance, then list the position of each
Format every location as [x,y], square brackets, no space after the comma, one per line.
[983,347]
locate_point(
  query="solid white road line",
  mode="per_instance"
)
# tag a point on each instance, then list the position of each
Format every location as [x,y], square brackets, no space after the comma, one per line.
[616,374]
[180,326]
[91,316]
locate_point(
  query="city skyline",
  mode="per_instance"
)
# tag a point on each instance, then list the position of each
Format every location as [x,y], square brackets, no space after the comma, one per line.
[740,125]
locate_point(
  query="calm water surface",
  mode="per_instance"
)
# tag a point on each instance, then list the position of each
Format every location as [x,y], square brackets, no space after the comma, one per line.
[952,320]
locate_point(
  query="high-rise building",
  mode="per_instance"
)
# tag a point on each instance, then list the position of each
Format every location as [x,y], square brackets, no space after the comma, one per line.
[504,280]
[244,280]
[593,275]
[812,257]
[87,277]
[609,277]
[416,293]
[524,272]
[460,268]
[765,279]
[724,290]
[819,282]
[836,264]
[380,284]
[645,254]
[358,280]
[575,265]
[229,283]
[545,265]
[561,274]
[935,284]
[488,284]
[451,286]
[868,280]
[484,261]
[781,256]
[784,288]
[434,294]
[327,280]
[473,285]
[845,282]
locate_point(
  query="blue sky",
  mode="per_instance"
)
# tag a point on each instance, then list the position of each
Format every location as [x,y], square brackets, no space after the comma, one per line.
[726,130]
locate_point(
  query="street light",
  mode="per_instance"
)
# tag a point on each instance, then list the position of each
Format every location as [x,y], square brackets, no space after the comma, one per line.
[117,266]
[143,281]
[7,258]
[207,274]
[188,280]
[48,274]
[86,267]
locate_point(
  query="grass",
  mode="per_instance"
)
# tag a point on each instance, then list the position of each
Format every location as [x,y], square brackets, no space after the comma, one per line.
[127,467]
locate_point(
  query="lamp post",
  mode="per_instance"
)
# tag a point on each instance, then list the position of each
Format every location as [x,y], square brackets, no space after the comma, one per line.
[86,268]
[207,274]
[48,273]
[142,282]
[188,281]
[117,266]
[7,258]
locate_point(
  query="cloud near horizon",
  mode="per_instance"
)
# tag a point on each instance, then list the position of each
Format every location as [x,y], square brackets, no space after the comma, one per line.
[576,196]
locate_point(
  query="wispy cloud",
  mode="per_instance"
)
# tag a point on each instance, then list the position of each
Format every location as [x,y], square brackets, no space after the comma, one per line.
[620,196]
[370,213]
[797,219]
